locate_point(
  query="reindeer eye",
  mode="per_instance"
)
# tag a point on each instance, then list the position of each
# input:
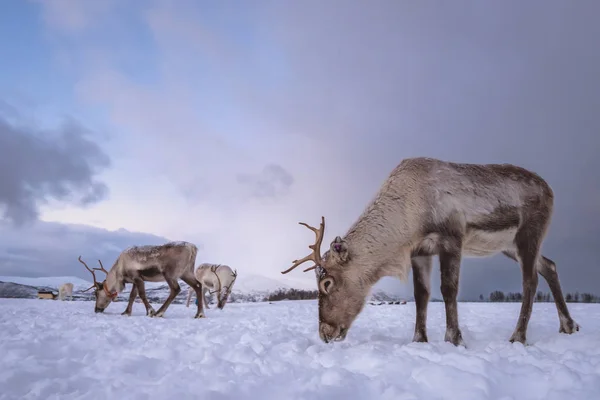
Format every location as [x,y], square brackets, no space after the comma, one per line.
[326,284]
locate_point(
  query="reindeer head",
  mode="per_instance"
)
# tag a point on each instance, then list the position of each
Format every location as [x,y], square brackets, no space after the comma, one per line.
[103,296]
[223,291]
[226,291]
[341,295]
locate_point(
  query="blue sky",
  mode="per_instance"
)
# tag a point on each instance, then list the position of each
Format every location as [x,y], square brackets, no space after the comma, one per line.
[225,124]
[28,61]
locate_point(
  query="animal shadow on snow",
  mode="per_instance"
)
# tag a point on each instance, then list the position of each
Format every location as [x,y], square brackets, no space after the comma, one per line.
[141,313]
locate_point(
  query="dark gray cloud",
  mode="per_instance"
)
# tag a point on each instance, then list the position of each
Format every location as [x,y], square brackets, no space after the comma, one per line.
[37,165]
[489,82]
[357,86]
[51,249]
[272,181]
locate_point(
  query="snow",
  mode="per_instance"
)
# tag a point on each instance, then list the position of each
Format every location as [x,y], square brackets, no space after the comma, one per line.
[59,350]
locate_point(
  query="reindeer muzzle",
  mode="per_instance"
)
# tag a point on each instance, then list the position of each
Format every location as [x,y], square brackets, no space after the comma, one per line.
[98,310]
[329,333]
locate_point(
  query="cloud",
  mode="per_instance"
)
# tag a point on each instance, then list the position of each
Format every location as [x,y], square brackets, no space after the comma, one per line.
[70,16]
[337,106]
[38,165]
[272,181]
[51,249]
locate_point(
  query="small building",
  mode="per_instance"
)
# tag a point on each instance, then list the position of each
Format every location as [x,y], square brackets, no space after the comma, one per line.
[46,294]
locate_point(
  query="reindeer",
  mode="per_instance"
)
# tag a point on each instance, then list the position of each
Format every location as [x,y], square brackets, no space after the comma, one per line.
[66,289]
[164,263]
[430,207]
[215,277]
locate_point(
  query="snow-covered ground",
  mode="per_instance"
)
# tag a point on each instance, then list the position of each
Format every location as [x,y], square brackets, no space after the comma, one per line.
[62,350]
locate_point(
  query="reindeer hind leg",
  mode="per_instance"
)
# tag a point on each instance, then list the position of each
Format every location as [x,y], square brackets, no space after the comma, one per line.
[528,241]
[547,269]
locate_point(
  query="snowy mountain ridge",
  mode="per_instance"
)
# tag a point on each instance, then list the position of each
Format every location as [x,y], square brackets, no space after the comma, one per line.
[247,288]
[250,287]
[48,281]
[244,283]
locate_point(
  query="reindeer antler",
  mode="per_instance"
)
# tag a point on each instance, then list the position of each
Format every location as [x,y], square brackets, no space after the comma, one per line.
[101,268]
[234,274]
[213,268]
[92,271]
[315,256]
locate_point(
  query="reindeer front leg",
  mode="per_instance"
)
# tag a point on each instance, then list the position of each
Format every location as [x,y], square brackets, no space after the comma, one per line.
[141,287]
[421,267]
[132,297]
[450,259]
[189,296]
[206,299]
[175,290]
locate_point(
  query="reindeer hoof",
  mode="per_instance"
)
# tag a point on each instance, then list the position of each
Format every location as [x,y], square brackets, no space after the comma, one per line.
[569,327]
[128,313]
[518,337]
[200,316]
[159,314]
[150,313]
[420,338]
[454,337]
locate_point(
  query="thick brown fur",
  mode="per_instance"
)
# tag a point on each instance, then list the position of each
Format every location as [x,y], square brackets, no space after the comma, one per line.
[163,263]
[430,207]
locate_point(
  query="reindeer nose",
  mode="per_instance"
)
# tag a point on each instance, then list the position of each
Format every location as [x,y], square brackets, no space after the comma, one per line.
[99,309]
[327,332]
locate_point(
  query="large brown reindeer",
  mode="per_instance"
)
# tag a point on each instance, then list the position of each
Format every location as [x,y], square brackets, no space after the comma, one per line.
[164,263]
[430,207]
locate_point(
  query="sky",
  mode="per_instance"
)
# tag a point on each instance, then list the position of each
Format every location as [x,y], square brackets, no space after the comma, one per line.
[225,124]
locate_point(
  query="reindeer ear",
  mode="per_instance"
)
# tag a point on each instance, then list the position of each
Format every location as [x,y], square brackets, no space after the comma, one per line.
[339,248]
[99,285]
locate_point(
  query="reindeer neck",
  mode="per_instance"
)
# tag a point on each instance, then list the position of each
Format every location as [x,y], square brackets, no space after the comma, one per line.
[114,281]
[379,245]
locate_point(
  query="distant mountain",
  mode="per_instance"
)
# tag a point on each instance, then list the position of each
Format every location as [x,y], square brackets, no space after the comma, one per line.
[48,281]
[247,288]
[15,290]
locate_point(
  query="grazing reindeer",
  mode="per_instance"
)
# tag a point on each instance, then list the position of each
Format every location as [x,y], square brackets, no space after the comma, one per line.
[164,263]
[430,207]
[66,289]
[215,277]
